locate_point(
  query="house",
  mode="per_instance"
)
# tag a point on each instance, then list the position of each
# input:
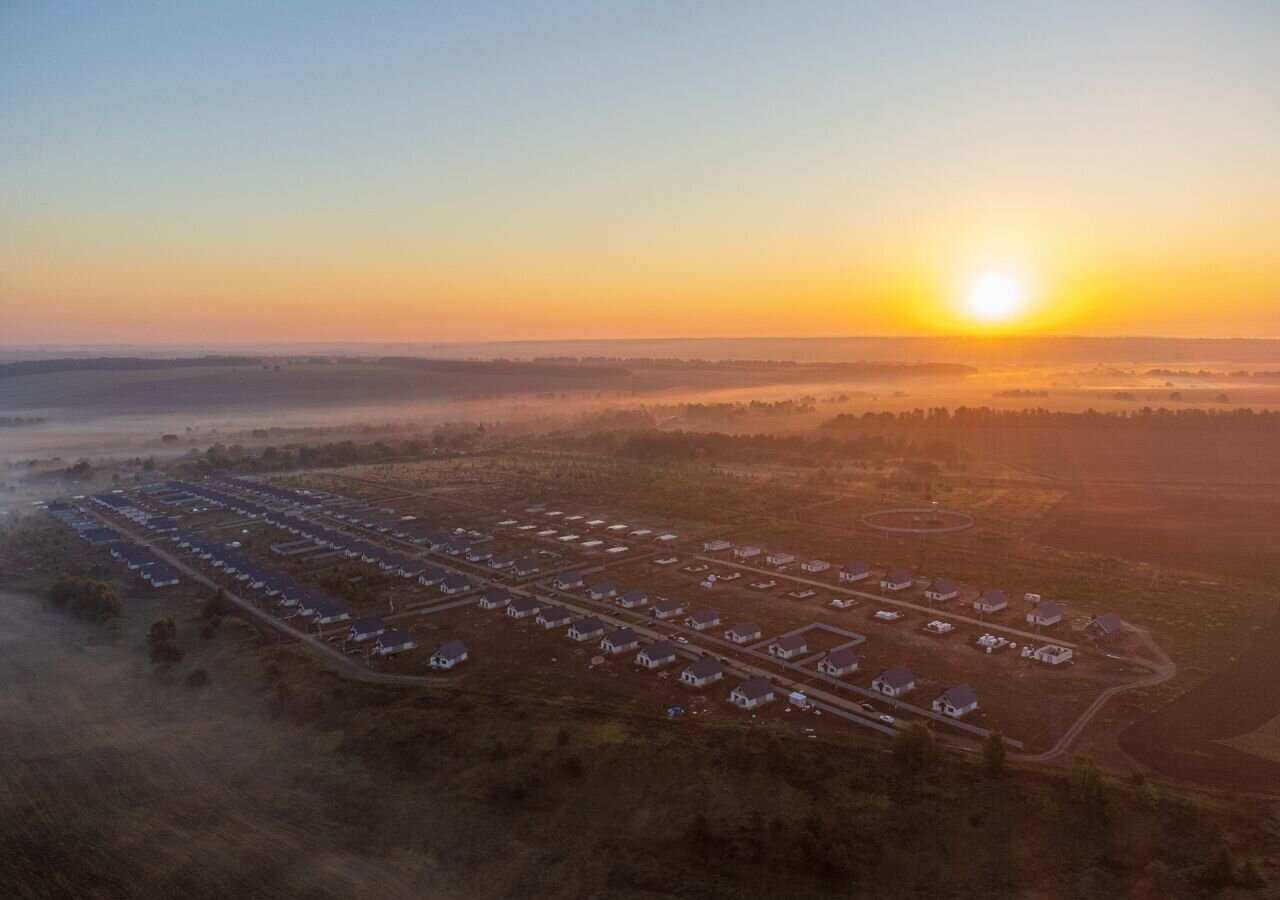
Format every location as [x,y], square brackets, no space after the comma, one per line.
[702,620]
[392,642]
[568,580]
[364,629]
[755,691]
[746,552]
[956,702]
[331,611]
[455,584]
[715,546]
[523,607]
[855,571]
[843,602]
[620,640]
[702,672]
[789,646]
[478,553]
[894,682]
[448,655]
[743,632]
[941,590]
[839,662]
[586,629]
[554,617]
[656,655]
[1047,613]
[1052,654]
[501,561]
[814,566]
[457,547]
[603,591]
[161,575]
[896,580]
[633,599]
[780,558]
[410,568]
[666,608]
[495,598]
[524,567]
[431,576]
[1106,627]
[991,601]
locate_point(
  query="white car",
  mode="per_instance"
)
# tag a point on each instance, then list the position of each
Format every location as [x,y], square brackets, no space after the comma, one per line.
[888,719]
[680,638]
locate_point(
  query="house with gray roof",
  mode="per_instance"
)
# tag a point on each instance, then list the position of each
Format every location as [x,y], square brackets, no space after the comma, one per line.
[855,571]
[523,607]
[1106,627]
[991,601]
[702,672]
[390,643]
[568,580]
[495,598]
[603,591]
[667,608]
[554,617]
[894,682]
[366,629]
[755,691]
[702,620]
[1045,613]
[455,584]
[896,580]
[633,599]
[789,646]
[941,590]
[586,629]
[620,640]
[449,654]
[839,662]
[656,655]
[743,632]
[957,701]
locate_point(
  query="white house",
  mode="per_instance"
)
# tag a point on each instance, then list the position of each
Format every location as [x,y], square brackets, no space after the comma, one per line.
[746,552]
[554,617]
[894,682]
[568,580]
[331,611]
[666,608]
[702,672]
[991,601]
[789,646]
[855,571]
[656,655]
[455,584]
[1105,627]
[495,598]
[603,591]
[431,576]
[365,629]
[839,662]
[1047,613]
[941,590]
[743,633]
[956,702]
[814,566]
[620,640]
[896,580]
[523,607]
[702,620]
[843,602]
[715,546]
[448,655]
[586,629]
[525,566]
[779,558]
[390,643]
[501,561]
[633,599]
[753,692]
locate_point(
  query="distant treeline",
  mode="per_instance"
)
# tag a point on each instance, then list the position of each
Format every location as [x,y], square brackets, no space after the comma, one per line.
[1021,392]
[984,417]
[850,368]
[220,458]
[19,421]
[119,363]
[714,446]
[1241,375]
[565,369]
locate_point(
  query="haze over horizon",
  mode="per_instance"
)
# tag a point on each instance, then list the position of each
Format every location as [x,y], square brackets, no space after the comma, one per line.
[195,174]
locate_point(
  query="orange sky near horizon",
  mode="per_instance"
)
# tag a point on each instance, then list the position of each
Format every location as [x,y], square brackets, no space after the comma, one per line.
[172,177]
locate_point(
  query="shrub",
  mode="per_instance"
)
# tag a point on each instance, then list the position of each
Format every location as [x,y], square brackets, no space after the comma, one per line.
[162,642]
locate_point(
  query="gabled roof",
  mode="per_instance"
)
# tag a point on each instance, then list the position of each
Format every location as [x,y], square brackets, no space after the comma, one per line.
[525,564]
[897,576]
[1107,623]
[959,696]
[791,642]
[633,596]
[856,567]
[457,580]
[659,650]
[995,597]
[602,587]
[897,677]
[328,608]
[590,623]
[1048,609]
[755,687]
[395,638]
[368,626]
[667,604]
[704,667]
[556,614]
[525,604]
[745,628]
[497,595]
[943,586]
[704,615]
[451,650]
[570,576]
[622,636]
[842,657]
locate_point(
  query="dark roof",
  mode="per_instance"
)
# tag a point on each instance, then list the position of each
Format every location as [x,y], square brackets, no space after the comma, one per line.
[1107,623]
[705,615]
[1048,609]
[622,636]
[395,638]
[368,626]
[704,668]
[745,628]
[943,586]
[524,563]
[602,587]
[454,581]
[897,575]
[897,676]
[841,657]
[995,597]
[660,650]
[451,649]
[667,603]
[590,623]
[633,596]
[856,566]
[568,577]
[791,642]
[556,614]
[755,687]
[497,595]
[525,604]
[328,608]
[960,696]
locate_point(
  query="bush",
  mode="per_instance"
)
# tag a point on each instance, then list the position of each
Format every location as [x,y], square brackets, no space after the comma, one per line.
[1085,779]
[914,747]
[993,755]
[85,598]
[162,642]
[216,606]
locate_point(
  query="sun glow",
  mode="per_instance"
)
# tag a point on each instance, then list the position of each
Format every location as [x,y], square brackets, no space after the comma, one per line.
[995,298]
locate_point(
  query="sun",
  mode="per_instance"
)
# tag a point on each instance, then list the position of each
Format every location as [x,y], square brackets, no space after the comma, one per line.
[995,298]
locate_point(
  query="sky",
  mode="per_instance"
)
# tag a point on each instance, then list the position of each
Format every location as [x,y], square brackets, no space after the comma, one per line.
[197,172]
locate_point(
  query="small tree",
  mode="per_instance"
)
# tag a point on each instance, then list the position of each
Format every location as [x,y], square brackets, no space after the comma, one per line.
[162,642]
[1085,779]
[217,605]
[914,747]
[993,755]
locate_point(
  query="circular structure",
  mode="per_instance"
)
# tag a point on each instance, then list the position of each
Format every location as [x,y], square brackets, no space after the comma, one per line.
[917,520]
